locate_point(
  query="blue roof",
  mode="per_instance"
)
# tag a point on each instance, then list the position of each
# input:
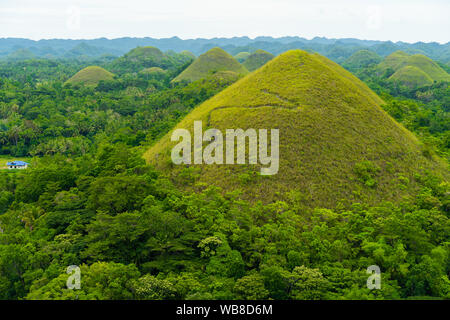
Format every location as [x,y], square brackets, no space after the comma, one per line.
[17,163]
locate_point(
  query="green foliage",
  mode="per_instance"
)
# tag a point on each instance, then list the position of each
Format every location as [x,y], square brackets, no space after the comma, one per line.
[251,287]
[223,260]
[151,288]
[424,112]
[101,281]
[366,172]
[49,119]
[116,194]
[203,245]
[309,284]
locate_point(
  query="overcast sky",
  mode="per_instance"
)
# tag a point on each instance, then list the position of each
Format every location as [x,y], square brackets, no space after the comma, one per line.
[401,20]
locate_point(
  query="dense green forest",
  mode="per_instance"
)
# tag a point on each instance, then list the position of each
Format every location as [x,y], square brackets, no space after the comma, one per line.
[89,198]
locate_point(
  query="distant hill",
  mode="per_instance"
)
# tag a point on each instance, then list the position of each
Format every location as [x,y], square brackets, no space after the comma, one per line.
[430,67]
[212,61]
[154,73]
[399,60]
[146,53]
[362,59]
[90,76]
[141,58]
[394,61]
[21,54]
[153,70]
[242,56]
[224,76]
[84,49]
[257,59]
[411,76]
[336,142]
[180,59]
[188,54]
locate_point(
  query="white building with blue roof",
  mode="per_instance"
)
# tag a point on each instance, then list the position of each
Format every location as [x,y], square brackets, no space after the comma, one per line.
[17,164]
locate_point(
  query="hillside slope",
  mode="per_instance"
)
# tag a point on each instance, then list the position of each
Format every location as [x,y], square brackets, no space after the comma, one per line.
[336,142]
[212,61]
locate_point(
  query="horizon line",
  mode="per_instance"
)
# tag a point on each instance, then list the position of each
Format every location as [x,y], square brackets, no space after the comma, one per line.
[218,37]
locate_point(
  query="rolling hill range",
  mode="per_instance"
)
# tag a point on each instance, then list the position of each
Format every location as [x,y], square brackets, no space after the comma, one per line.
[90,76]
[336,142]
[334,49]
[399,60]
[257,59]
[212,61]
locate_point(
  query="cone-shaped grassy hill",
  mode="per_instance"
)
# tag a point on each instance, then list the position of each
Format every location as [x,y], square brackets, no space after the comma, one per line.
[90,76]
[400,59]
[411,76]
[242,56]
[153,71]
[362,59]
[336,142]
[212,61]
[395,60]
[257,59]
[188,54]
[148,52]
[141,58]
